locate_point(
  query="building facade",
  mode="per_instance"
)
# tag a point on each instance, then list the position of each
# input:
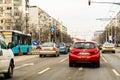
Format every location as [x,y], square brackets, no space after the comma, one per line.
[13,12]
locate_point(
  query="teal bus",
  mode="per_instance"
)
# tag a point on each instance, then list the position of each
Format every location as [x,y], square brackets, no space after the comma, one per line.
[20,43]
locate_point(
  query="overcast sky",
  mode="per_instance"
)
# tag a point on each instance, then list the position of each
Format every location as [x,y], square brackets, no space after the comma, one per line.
[79,18]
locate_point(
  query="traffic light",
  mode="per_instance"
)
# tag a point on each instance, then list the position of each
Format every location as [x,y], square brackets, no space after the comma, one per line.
[89,2]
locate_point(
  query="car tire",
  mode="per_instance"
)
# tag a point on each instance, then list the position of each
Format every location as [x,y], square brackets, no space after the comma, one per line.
[9,74]
[58,55]
[113,51]
[70,64]
[97,64]
[40,55]
[102,51]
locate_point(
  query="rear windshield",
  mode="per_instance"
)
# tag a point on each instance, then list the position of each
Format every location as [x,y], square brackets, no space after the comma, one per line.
[47,44]
[84,45]
[108,44]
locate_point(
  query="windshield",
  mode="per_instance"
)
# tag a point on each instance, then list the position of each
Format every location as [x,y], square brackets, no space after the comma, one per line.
[84,45]
[47,44]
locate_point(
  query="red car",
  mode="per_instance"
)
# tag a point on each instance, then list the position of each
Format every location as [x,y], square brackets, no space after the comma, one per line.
[84,52]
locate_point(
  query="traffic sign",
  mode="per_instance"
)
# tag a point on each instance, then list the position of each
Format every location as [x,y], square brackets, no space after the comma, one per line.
[52,28]
[35,43]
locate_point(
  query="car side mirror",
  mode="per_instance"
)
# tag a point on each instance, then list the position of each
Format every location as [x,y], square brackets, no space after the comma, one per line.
[10,45]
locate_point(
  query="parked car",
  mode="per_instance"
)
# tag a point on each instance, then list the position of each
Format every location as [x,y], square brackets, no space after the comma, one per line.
[63,48]
[108,47]
[6,59]
[84,52]
[48,48]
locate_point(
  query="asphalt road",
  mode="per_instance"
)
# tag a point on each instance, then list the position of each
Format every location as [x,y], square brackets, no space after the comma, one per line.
[31,67]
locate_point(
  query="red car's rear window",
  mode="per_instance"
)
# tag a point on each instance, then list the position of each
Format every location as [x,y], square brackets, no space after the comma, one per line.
[84,45]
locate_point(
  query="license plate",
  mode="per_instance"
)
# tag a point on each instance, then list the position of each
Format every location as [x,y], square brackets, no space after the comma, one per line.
[84,53]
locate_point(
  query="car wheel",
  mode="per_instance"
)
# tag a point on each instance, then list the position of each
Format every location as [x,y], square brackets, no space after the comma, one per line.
[40,55]
[97,65]
[58,55]
[113,51]
[9,74]
[70,64]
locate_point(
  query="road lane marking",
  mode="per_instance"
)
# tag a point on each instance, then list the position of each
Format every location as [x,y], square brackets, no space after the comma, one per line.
[80,69]
[104,59]
[63,59]
[44,70]
[116,73]
[24,65]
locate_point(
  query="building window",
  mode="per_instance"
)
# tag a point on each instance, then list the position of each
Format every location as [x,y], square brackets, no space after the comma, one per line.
[17,2]
[1,1]
[8,14]
[1,8]
[8,1]
[1,14]
[8,8]
[1,27]
[1,21]
[8,21]
[8,27]
[16,14]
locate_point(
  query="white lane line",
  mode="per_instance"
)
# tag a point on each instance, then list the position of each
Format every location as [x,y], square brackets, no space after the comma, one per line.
[116,73]
[63,59]
[80,69]
[44,70]
[104,59]
[27,64]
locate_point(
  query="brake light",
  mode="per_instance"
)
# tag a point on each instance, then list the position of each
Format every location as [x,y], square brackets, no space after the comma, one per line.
[40,48]
[74,52]
[54,49]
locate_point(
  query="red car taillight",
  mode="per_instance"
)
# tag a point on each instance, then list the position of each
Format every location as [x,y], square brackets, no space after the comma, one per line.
[94,52]
[54,49]
[40,48]
[74,52]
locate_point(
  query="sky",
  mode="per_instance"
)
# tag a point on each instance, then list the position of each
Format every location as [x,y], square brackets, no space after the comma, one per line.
[80,19]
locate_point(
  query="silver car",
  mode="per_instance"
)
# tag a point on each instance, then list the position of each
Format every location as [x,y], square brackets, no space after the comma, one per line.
[108,47]
[48,48]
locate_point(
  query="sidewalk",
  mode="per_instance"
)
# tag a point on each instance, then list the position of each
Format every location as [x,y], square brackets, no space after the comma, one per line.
[24,57]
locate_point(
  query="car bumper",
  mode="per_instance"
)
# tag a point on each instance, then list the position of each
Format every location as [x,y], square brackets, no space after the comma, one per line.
[4,65]
[47,52]
[63,51]
[84,59]
[108,50]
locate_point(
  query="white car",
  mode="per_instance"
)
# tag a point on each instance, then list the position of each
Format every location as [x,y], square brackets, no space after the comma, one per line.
[48,48]
[108,47]
[6,59]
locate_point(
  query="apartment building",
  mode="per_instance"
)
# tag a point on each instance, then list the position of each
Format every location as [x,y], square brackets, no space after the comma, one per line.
[13,12]
[39,22]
